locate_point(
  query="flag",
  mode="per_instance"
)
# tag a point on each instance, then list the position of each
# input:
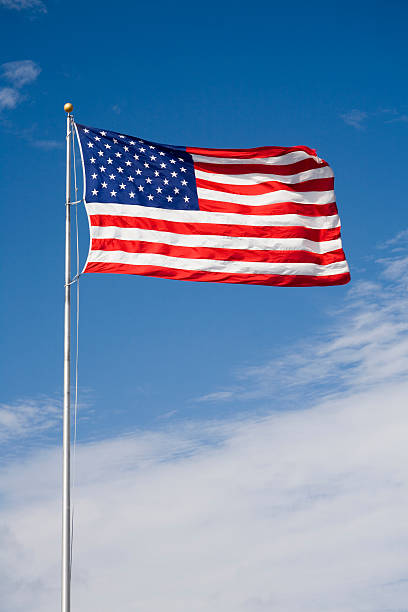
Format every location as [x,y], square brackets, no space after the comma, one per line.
[263,216]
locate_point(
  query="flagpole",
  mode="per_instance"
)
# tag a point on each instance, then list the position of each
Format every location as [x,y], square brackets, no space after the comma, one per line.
[66,467]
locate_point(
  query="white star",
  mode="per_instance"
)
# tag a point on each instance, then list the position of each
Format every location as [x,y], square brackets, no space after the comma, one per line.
[183,169]
[172,161]
[146,165]
[186,199]
[138,171]
[153,157]
[90,145]
[184,182]
[126,148]
[128,163]
[161,153]
[112,176]
[150,197]
[132,142]
[140,187]
[86,131]
[94,176]
[104,185]
[162,165]
[159,190]
[151,147]
[102,133]
[118,154]
[136,156]
[148,180]
[102,168]
[113,193]
[120,169]
[115,141]
[141,141]
[110,160]
[107,146]
[166,182]
[180,159]
[169,199]
[142,150]
[94,192]
[93,160]
[97,138]
[132,195]
[176,190]
[174,174]
[122,186]
[100,153]
[156,173]
[131,179]
[121,136]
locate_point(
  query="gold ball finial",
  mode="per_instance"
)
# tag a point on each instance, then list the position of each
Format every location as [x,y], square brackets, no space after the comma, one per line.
[68,107]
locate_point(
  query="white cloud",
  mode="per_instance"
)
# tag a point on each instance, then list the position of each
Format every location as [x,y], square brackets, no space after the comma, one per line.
[295,511]
[358,119]
[20,73]
[216,396]
[312,498]
[22,5]
[397,243]
[402,118]
[9,98]
[365,343]
[26,418]
[355,118]
[48,144]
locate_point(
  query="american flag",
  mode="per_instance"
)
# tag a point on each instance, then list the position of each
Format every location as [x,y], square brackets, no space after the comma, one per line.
[263,216]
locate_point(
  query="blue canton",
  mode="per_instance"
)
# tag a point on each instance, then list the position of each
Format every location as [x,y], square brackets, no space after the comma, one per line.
[127,170]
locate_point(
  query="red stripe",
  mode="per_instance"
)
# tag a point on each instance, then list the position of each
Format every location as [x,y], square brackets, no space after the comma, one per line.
[325,184]
[283,208]
[213,229]
[219,277]
[221,254]
[282,170]
[249,153]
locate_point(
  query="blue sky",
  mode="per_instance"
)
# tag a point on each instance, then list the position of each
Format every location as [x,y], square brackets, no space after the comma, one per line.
[174,376]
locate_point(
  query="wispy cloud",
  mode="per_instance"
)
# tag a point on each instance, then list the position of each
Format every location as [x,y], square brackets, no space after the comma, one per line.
[21,72]
[355,118]
[27,417]
[216,396]
[24,5]
[403,118]
[397,243]
[48,145]
[228,515]
[9,98]
[224,516]
[359,119]
[366,344]
[18,74]
[392,115]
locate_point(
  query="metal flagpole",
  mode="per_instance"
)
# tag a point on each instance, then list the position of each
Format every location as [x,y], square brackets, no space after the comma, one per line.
[66,476]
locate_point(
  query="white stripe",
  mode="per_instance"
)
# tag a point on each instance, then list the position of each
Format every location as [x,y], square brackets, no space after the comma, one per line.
[273,197]
[255,178]
[286,159]
[209,265]
[223,242]
[201,216]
